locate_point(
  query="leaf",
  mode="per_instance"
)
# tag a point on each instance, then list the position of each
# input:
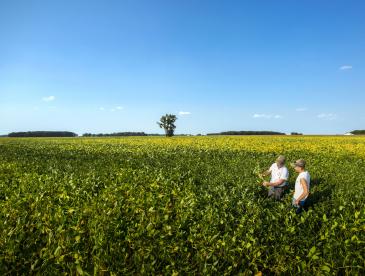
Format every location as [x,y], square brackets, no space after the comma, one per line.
[325,268]
[311,251]
[34,264]
[324,218]
[57,251]
[79,270]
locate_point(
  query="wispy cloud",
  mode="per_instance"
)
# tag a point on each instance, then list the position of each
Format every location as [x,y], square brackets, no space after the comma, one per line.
[345,67]
[301,109]
[267,116]
[327,116]
[48,99]
[113,109]
[117,108]
[183,113]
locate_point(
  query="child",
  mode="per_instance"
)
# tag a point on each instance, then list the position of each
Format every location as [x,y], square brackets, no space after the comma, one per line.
[302,185]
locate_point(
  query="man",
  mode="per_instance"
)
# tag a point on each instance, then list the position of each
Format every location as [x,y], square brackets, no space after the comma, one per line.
[279,177]
[302,185]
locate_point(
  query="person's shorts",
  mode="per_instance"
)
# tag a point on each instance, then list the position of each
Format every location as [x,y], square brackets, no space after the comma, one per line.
[276,193]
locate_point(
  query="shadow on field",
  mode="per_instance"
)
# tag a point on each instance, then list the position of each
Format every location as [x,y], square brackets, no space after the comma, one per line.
[316,181]
[319,193]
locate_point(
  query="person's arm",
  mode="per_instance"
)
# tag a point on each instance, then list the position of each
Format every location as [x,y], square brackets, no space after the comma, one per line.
[274,184]
[282,180]
[303,182]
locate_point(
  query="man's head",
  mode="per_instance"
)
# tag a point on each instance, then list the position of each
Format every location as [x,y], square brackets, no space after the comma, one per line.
[299,165]
[280,161]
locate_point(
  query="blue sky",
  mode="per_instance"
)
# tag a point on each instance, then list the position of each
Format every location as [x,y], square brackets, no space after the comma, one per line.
[108,66]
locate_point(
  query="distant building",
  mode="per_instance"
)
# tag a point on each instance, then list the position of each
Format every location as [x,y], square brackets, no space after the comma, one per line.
[348,133]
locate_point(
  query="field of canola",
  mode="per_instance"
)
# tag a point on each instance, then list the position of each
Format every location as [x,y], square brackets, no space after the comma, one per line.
[182,205]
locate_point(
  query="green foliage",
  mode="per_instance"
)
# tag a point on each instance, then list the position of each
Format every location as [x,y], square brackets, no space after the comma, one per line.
[43,134]
[358,132]
[245,132]
[167,122]
[187,205]
[117,134]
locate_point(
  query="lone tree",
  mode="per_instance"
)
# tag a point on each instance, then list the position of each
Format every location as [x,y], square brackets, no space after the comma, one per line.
[167,122]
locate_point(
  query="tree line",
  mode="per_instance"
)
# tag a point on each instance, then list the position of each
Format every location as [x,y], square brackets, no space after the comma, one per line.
[167,122]
[248,133]
[358,132]
[43,134]
[115,134]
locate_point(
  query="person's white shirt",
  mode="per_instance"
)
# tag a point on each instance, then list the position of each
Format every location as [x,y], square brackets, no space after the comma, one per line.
[298,187]
[278,174]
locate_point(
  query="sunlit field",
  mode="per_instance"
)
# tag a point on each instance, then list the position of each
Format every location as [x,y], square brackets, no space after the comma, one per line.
[181,205]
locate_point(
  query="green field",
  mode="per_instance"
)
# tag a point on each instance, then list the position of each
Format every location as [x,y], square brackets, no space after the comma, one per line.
[182,205]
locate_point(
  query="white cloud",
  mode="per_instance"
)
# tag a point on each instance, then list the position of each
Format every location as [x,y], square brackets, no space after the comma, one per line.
[301,109]
[346,67]
[49,98]
[327,116]
[182,113]
[102,108]
[267,116]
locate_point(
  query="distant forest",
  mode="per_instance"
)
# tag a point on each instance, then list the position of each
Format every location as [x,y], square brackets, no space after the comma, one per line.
[358,132]
[72,134]
[114,134]
[127,134]
[248,133]
[43,134]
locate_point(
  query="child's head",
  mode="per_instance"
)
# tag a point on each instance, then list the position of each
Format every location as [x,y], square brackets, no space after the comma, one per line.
[299,165]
